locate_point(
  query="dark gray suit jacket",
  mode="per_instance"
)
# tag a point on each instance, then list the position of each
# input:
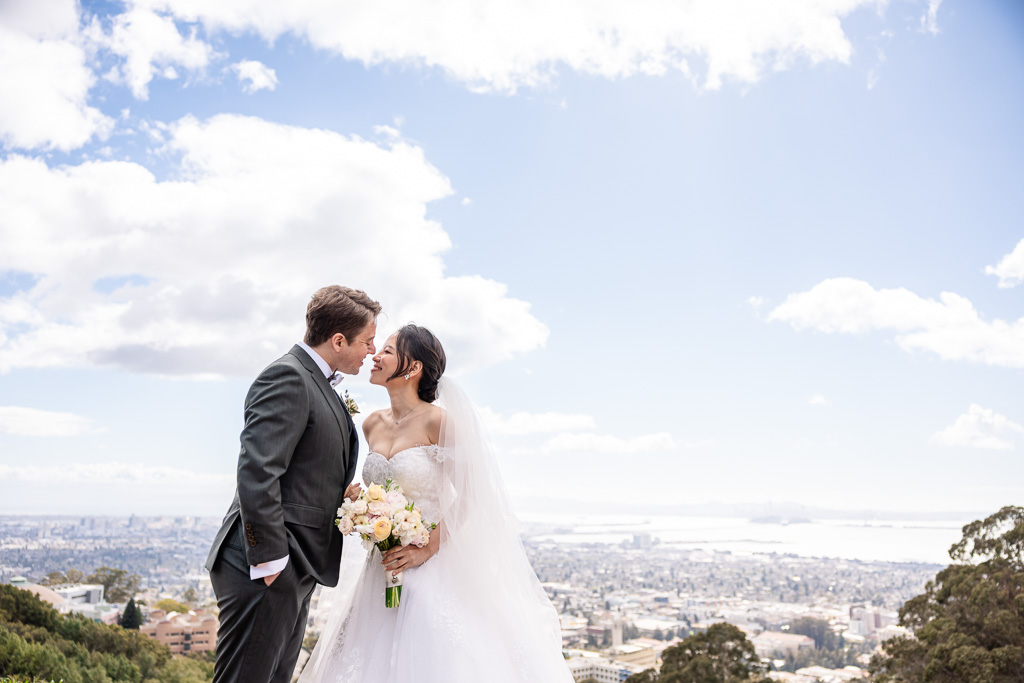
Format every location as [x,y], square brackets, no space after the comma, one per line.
[298,453]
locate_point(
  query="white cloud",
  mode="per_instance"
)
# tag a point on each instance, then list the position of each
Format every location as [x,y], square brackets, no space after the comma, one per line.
[19,421]
[151,44]
[601,443]
[44,88]
[112,473]
[950,327]
[501,45]
[522,423]
[210,273]
[818,400]
[254,75]
[387,132]
[755,301]
[978,428]
[930,19]
[1010,270]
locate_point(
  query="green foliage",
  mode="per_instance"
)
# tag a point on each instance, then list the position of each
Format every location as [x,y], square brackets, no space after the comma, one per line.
[169,605]
[187,670]
[118,585]
[968,625]
[58,578]
[132,617]
[53,579]
[720,655]
[37,643]
[818,629]
[830,659]
[23,607]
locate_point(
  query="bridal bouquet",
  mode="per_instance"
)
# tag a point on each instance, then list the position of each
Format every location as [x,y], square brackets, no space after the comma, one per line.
[384,517]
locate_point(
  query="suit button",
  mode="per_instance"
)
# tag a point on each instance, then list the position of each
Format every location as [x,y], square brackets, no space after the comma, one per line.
[252,542]
[248,526]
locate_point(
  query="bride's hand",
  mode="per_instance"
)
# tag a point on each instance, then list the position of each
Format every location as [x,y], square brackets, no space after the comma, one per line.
[353,491]
[399,559]
[406,557]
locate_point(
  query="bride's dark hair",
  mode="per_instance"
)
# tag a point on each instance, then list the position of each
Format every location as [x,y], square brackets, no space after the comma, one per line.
[415,343]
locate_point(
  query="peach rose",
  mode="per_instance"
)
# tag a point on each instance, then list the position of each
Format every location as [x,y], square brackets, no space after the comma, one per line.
[382,529]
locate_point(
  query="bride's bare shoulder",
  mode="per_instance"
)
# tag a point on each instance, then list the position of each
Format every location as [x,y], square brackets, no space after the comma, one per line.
[372,421]
[434,418]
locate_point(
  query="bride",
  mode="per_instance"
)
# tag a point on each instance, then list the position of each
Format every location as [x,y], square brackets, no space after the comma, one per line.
[471,606]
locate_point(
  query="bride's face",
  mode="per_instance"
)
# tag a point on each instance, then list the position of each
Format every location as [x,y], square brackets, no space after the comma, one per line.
[385,362]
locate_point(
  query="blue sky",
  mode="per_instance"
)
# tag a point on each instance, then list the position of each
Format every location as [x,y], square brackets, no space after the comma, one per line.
[678,251]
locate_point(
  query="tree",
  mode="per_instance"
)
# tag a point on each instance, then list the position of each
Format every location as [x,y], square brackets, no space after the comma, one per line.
[59,578]
[118,585]
[169,605]
[132,617]
[722,654]
[190,597]
[818,629]
[53,579]
[39,644]
[968,625]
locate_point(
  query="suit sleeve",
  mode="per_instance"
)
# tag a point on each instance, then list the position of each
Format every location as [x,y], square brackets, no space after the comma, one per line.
[276,414]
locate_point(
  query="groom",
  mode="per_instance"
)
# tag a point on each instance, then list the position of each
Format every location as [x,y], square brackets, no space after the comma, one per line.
[298,455]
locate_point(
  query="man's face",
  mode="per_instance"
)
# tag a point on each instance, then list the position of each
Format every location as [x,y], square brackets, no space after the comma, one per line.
[349,353]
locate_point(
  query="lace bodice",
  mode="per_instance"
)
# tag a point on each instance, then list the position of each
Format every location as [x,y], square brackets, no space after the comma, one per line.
[417,470]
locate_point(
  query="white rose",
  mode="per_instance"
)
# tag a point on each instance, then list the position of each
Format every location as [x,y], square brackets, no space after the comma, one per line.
[396,500]
[345,526]
[377,507]
[359,507]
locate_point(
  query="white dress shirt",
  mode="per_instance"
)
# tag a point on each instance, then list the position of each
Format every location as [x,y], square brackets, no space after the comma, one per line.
[258,571]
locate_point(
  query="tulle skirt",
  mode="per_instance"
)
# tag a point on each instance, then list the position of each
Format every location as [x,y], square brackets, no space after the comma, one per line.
[440,632]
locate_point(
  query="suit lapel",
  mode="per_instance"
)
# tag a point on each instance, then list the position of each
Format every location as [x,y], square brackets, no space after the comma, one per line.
[332,398]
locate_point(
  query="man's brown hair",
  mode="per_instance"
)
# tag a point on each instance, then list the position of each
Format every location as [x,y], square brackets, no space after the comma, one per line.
[336,309]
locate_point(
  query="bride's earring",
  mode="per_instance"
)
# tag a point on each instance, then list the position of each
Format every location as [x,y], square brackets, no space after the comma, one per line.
[407,376]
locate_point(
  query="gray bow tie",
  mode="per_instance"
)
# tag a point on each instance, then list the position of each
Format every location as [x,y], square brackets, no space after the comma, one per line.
[336,378]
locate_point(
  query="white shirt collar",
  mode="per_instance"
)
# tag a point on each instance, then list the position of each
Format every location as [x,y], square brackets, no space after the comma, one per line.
[320,362]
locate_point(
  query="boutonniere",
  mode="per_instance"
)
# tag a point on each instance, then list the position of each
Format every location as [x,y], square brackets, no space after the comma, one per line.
[350,404]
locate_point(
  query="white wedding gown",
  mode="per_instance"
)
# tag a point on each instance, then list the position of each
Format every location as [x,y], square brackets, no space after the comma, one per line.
[473,612]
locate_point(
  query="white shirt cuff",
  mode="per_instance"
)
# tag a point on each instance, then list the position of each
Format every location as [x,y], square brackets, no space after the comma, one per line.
[258,571]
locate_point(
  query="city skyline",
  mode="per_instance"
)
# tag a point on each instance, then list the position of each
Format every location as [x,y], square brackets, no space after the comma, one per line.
[679,253]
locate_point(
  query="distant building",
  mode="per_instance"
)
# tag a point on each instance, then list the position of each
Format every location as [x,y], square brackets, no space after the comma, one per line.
[573,628]
[643,656]
[85,599]
[80,593]
[866,620]
[183,633]
[770,643]
[642,541]
[601,669]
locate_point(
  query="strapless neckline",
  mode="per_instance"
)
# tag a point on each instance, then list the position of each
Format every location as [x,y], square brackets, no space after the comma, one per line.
[398,453]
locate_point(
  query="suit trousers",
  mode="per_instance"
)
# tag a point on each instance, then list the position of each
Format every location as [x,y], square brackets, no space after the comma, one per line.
[261,627]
